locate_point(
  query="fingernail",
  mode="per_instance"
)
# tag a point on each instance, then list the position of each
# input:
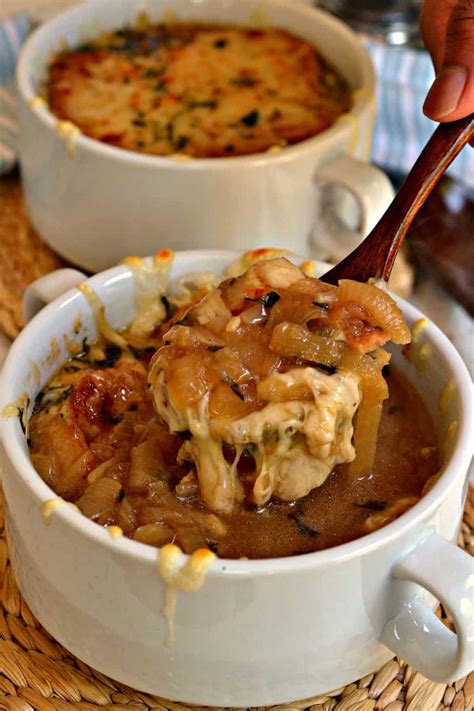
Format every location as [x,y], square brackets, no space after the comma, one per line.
[446,91]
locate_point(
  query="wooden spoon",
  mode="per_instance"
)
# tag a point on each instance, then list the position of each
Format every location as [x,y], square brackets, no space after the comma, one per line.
[374,257]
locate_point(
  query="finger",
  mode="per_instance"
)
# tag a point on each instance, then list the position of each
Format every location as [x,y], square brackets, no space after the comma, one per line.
[452,93]
[434,17]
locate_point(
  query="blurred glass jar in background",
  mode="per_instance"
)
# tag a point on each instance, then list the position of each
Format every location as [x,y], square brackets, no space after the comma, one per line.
[396,21]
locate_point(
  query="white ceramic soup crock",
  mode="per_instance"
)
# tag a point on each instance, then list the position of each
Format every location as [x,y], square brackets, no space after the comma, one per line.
[257,632]
[86,198]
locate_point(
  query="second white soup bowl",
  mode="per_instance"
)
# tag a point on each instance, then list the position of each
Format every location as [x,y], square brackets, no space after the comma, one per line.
[86,198]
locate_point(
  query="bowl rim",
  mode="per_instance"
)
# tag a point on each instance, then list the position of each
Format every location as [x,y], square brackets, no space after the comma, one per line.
[13,440]
[362,96]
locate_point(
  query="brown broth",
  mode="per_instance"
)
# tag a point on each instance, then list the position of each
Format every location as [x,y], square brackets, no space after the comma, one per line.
[332,514]
[339,508]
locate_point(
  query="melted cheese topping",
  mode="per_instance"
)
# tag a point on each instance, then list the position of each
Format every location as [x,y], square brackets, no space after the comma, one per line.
[297,443]
[354,123]
[169,611]
[198,90]
[150,279]
[419,352]
[417,328]
[98,309]
[448,440]
[423,356]
[115,531]
[241,264]
[69,132]
[18,408]
[50,506]
[35,371]
[191,575]
[37,101]
[446,396]
[183,289]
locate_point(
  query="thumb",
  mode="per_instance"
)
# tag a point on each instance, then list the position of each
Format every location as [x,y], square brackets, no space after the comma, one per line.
[452,94]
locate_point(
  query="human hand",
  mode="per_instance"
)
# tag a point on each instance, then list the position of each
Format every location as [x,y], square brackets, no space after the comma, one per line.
[447,28]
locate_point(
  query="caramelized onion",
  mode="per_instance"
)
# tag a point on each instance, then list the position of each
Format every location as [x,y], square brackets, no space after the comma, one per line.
[100,498]
[384,312]
[293,341]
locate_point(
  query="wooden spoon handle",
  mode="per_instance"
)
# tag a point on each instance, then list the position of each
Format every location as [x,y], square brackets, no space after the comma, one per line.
[375,256]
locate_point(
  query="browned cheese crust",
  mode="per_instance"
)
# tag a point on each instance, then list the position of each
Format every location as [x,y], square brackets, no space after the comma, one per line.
[203,91]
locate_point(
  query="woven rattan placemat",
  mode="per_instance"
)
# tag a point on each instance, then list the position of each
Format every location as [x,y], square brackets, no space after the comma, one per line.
[37,673]
[23,255]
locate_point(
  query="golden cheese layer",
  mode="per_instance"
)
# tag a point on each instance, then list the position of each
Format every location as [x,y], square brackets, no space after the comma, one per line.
[202,91]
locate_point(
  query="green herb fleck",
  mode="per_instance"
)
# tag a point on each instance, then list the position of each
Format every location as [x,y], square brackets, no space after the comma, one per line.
[210,104]
[185,434]
[151,72]
[140,352]
[112,354]
[181,142]
[21,412]
[270,299]
[161,87]
[234,387]
[71,368]
[243,81]
[170,308]
[43,402]
[63,396]
[372,505]
[38,401]
[393,409]
[303,527]
[115,420]
[251,119]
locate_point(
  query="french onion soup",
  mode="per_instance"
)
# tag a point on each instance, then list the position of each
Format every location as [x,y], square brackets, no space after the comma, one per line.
[200,90]
[258,418]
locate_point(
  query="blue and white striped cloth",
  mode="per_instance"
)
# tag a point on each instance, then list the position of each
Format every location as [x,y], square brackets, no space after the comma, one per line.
[13,33]
[401,129]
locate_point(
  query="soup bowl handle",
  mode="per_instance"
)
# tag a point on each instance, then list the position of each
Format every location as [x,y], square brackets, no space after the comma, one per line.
[47,288]
[415,633]
[369,186]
